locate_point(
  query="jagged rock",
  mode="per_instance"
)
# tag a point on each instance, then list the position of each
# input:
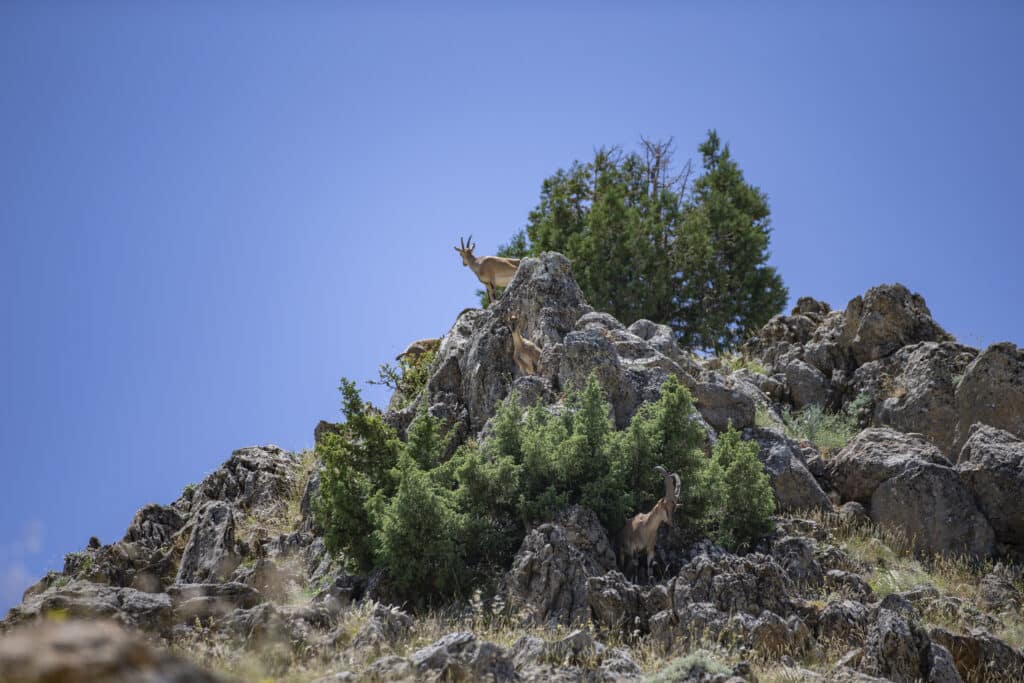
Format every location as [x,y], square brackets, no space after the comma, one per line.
[725,400]
[389,668]
[618,604]
[772,636]
[211,600]
[115,564]
[548,579]
[309,493]
[845,622]
[913,390]
[807,384]
[854,513]
[630,370]
[254,477]
[154,525]
[997,592]
[382,631]
[872,457]
[532,390]
[572,658]
[750,584]
[210,553]
[901,651]
[929,505]
[794,486]
[147,611]
[266,577]
[992,392]
[847,583]
[663,339]
[461,657]
[884,320]
[796,555]
[94,651]
[979,656]
[992,467]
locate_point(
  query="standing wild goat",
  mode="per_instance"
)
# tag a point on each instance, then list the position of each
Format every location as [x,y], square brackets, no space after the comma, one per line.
[418,348]
[525,353]
[493,271]
[641,532]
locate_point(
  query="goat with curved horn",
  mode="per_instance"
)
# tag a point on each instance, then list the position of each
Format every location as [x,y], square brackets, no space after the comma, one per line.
[641,532]
[492,271]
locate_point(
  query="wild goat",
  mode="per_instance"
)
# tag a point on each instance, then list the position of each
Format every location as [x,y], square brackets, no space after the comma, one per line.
[641,532]
[418,348]
[492,271]
[525,353]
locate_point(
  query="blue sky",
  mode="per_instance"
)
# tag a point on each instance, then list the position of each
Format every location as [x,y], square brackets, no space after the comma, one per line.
[209,215]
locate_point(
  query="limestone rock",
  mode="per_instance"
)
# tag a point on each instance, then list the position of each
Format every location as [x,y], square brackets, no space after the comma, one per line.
[873,456]
[931,507]
[94,651]
[461,657]
[154,525]
[885,319]
[992,466]
[794,486]
[210,553]
[548,579]
[146,611]
[992,392]
[253,477]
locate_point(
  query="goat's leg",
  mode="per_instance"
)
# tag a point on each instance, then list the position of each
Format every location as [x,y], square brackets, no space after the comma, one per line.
[490,293]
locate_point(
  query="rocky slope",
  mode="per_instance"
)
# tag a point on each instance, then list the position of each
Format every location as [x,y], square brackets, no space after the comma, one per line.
[895,557]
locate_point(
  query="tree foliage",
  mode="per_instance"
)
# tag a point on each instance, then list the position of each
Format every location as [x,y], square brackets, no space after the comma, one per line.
[645,242]
[436,524]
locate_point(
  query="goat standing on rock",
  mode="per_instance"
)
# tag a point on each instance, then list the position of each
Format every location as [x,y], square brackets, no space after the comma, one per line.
[641,532]
[525,353]
[492,271]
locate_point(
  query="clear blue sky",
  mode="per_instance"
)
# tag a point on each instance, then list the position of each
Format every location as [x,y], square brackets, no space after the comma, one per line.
[210,215]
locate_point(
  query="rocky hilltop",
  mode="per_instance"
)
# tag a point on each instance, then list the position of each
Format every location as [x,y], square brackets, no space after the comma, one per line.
[896,456]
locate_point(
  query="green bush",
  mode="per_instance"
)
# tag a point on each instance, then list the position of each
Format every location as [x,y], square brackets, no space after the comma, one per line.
[744,501]
[407,379]
[828,431]
[439,524]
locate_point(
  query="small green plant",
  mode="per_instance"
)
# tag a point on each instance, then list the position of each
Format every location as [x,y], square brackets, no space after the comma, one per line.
[407,379]
[828,431]
[741,361]
[763,417]
[694,666]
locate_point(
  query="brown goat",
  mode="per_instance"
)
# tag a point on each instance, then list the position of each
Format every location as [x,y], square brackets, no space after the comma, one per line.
[525,353]
[492,271]
[641,532]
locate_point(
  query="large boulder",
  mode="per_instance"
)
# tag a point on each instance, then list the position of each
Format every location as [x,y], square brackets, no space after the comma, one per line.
[462,657]
[992,392]
[630,369]
[725,401]
[872,457]
[150,612]
[254,477]
[154,525]
[980,656]
[900,650]
[795,488]
[930,506]
[95,651]
[548,579]
[885,319]
[992,467]
[913,390]
[750,584]
[210,554]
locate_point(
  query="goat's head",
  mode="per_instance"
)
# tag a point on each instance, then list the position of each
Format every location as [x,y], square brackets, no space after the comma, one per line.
[466,250]
[673,486]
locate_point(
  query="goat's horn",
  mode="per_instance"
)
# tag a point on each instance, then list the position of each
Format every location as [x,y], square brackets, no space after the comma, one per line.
[470,242]
[679,485]
[661,470]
